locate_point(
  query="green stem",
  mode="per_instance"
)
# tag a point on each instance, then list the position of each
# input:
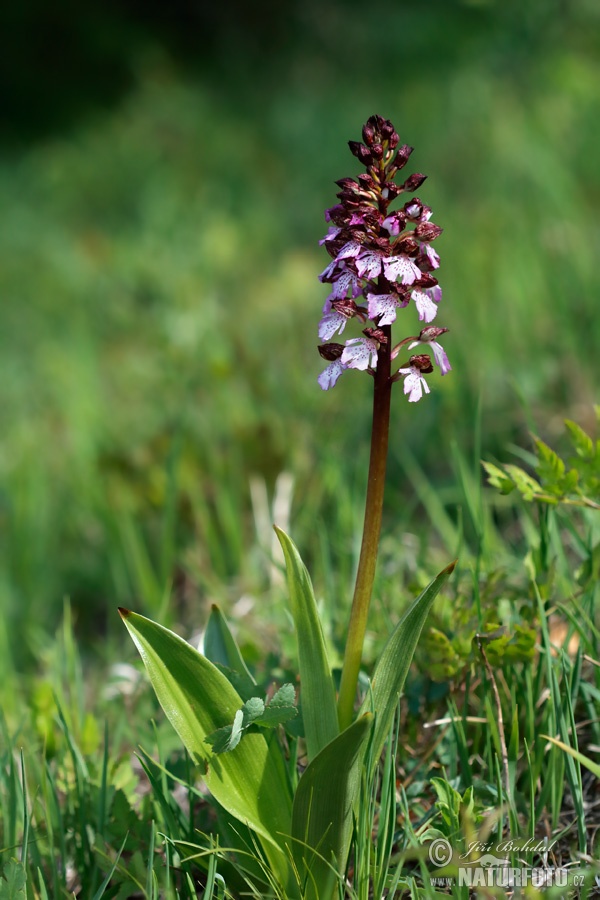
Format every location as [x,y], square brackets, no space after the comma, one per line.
[371,530]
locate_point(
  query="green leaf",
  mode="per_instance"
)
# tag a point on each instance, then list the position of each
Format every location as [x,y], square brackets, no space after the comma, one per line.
[227,738]
[319,708]
[221,648]
[582,442]
[251,781]
[322,817]
[254,712]
[277,716]
[524,483]
[393,664]
[13,888]
[285,696]
[498,478]
[593,767]
[253,709]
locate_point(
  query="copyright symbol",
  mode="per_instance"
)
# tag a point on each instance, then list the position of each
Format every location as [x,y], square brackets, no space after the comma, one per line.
[440,852]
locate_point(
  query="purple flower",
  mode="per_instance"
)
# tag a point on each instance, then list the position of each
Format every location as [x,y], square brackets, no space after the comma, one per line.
[331,322]
[426,301]
[428,336]
[383,307]
[384,256]
[359,353]
[414,383]
[330,375]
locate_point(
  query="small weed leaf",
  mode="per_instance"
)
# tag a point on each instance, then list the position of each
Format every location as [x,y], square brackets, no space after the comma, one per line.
[498,478]
[12,883]
[254,712]
[285,696]
[582,442]
[527,486]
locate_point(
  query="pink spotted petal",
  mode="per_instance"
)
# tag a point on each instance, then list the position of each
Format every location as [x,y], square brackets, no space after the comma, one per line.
[433,257]
[439,354]
[330,375]
[414,384]
[426,307]
[330,323]
[359,353]
[331,234]
[351,249]
[347,280]
[384,305]
[401,267]
[369,264]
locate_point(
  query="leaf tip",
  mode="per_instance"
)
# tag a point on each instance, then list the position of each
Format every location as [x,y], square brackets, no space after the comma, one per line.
[124,613]
[449,569]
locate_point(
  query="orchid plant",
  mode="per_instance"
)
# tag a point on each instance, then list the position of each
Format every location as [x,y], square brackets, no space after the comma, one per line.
[293,824]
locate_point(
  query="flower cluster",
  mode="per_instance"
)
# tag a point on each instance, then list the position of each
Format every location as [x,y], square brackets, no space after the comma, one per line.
[382,261]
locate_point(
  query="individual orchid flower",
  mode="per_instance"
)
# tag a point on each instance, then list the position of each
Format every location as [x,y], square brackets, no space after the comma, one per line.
[414,382]
[426,301]
[330,375]
[429,337]
[383,307]
[360,353]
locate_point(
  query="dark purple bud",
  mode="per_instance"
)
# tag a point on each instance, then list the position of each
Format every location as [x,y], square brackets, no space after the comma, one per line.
[422,362]
[427,231]
[387,130]
[362,153]
[393,140]
[348,183]
[413,182]
[392,190]
[425,281]
[366,181]
[368,133]
[377,151]
[406,245]
[346,307]
[377,334]
[333,213]
[375,122]
[331,352]
[431,333]
[349,197]
[402,156]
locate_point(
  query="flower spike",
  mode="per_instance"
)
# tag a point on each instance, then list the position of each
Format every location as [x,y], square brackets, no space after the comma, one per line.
[384,256]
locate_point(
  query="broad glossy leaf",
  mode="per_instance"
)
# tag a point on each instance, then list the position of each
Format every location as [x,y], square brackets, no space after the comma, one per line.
[319,708]
[393,664]
[250,781]
[323,809]
[221,647]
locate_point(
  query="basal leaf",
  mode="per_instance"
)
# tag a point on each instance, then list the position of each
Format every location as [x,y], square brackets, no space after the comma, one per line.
[221,648]
[251,781]
[318,694]
[393,664]
[323,810]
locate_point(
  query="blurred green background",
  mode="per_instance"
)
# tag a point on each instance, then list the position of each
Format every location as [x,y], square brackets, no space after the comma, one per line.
[164,170]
